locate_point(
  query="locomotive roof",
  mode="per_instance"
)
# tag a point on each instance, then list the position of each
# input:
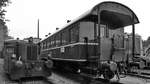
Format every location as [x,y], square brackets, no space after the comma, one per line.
[109,10]
[14,41]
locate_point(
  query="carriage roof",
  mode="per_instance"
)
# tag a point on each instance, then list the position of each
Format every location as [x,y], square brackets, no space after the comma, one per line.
[112,10]
[108,6]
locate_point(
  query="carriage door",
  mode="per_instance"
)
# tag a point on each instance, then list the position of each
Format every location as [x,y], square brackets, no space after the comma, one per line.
[105,47]
[119,50]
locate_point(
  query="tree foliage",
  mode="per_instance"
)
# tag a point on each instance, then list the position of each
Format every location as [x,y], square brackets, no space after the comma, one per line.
[3,3]
[146,42]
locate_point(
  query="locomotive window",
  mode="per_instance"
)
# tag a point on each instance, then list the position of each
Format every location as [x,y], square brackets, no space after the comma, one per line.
[10,50]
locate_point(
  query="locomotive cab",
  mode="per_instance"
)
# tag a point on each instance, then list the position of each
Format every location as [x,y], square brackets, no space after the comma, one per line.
[21,60]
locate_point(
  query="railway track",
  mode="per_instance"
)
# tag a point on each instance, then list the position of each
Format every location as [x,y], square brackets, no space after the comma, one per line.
[140,73]
[139,76]
[35,80]
[59,77]
[82,78]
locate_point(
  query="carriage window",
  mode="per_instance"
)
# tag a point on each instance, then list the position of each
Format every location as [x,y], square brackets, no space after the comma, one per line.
[42,45]
[64,37]
[53,41]
[49,41]
[58,39]
[74,35]
[104,31]
[46,45]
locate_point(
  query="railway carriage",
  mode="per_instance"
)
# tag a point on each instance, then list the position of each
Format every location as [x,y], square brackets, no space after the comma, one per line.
[21,60]
[92,43]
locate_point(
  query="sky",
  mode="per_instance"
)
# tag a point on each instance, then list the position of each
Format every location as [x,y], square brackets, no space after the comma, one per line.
[23,15]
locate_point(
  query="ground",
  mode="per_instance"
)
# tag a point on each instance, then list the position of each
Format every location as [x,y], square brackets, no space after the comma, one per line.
[68,78]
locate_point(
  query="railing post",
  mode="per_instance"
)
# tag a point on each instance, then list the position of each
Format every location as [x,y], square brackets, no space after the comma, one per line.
[99,36]
[133,37]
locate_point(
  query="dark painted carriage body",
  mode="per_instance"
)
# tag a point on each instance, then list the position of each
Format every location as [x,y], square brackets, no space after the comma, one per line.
[21,60]
[91,38]
[77,49]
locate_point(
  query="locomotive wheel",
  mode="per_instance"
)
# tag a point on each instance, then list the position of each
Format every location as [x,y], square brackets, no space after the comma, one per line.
[49,64]
[108,74]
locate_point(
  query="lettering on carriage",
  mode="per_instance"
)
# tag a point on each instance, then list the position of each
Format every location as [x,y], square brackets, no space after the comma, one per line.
[50,54]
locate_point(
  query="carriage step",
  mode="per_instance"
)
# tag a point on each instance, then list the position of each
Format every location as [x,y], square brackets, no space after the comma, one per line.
[91,68]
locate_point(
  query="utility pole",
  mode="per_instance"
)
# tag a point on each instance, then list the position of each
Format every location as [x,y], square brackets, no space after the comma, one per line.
[38,30]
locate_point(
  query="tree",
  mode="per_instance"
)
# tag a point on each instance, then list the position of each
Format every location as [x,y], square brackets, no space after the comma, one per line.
[146,42]
[3,27]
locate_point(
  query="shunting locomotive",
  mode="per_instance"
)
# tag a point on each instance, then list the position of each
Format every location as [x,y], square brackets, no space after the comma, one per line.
[21,60]
[94,42]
